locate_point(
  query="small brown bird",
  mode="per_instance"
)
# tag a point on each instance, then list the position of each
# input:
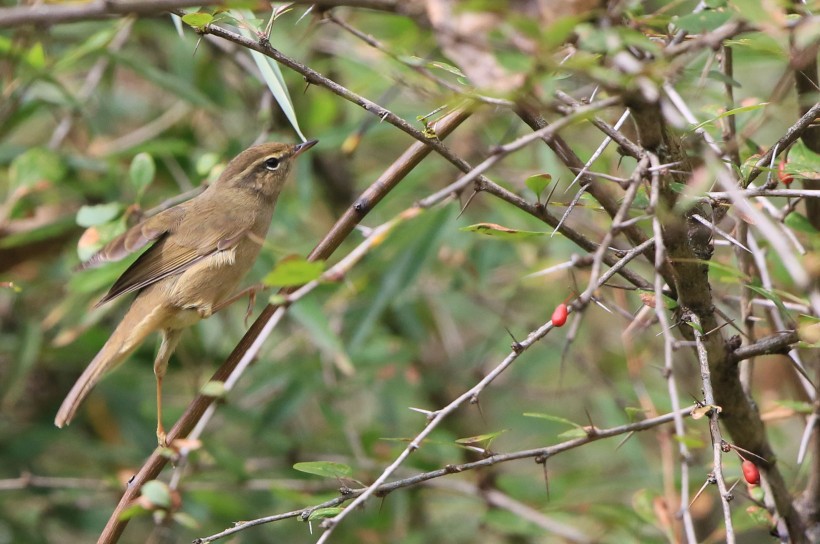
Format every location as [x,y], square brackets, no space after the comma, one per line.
[201,250]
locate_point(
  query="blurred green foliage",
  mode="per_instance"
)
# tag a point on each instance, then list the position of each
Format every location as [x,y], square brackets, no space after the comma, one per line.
[418,322]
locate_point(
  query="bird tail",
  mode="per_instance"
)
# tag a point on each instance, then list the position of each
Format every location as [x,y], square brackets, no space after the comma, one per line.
[140,321]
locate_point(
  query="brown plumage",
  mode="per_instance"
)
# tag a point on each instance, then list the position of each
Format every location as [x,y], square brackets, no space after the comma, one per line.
[201,250]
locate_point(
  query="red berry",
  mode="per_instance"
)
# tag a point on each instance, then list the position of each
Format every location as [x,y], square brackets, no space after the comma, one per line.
[559,316]
[750,472]
[785,177]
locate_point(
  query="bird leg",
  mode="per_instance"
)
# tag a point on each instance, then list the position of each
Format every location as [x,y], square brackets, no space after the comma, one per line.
[170,339]
[250,291]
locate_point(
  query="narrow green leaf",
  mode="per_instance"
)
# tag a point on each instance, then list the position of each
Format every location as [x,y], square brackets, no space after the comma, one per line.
[555,419]
[272,76]
[723,78]
[488,438]
[176,85]
[735,111]
[798,406]
[294,271]
[322,513]
[447,68]
[501,232]
[695,326]
[401,271]
[573,433]
[58,227]
[771,296]
[326,469]
[310,314]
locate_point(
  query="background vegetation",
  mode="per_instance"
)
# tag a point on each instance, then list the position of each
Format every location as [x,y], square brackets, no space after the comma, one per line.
[106,114]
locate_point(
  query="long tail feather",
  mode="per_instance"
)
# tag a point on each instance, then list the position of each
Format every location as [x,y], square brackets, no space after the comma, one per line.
[140,321]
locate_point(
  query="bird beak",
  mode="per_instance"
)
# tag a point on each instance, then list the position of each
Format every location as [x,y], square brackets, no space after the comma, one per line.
[298,149]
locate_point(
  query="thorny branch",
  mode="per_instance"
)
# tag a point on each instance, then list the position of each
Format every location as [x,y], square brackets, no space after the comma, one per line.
[383,489]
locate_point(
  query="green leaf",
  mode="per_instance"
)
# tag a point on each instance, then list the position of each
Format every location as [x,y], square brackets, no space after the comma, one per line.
[51,230]
[89,216]
[573,434]
[157,492]
[197,20]
[488,438]
[418,240]
[132,511]
[93,44]
[555,419]
[734,111]
[326,469]
[35,165]
[723,78]
[648,298]
[803,161]
[447,67]
[690,441]
[538,183]
[293,272]
[695,326]
[322,513]
[798,406]
[141,172]
[272,76]
[800,222]
[176,85]
[633,413]
[309,313]
[722,271]
[705,21]
[504,233]
[771,296]
[36,56]
[749,164]
[186,520]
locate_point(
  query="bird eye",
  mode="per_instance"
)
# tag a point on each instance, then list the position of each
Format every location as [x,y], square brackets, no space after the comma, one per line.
[272,163]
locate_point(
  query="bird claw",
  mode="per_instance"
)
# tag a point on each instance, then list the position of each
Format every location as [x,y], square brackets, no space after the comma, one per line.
[251,302]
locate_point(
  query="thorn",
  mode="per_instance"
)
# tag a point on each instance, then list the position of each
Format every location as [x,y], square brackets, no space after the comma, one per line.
[624,440]
[516,346]
[552,192]
[474,400]
[470,199]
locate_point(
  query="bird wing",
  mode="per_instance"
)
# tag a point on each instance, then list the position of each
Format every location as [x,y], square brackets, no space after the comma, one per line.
[137,237]
[182,239]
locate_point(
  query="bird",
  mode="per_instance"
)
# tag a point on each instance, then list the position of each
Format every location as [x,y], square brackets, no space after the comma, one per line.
[200,250]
